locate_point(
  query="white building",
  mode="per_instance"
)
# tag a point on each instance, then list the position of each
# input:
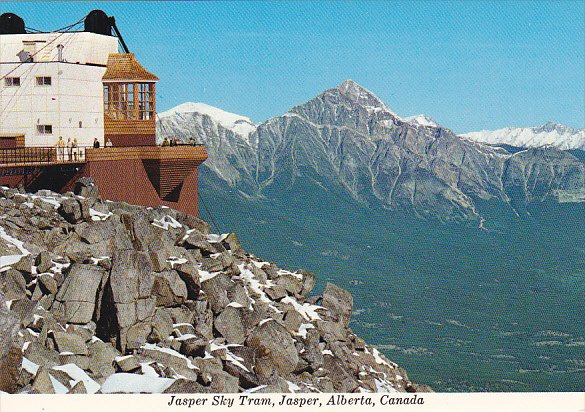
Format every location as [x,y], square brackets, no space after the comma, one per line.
[58,93]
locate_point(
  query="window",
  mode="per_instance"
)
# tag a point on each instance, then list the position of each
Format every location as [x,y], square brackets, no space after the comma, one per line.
[43,81]
[12,81]
[44,129]
[80,124]
[129,101]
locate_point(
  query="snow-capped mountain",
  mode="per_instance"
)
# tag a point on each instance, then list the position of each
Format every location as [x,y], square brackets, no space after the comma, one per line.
[240,125]
[549,134]
[422,120]
[347,138]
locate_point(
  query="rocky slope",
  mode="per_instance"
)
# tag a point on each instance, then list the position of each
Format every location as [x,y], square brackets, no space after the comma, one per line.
[549,134]
[97,296]
[349,139]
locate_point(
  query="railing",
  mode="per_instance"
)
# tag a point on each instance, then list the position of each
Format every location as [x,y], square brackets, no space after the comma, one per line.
[42,155]
[55,154]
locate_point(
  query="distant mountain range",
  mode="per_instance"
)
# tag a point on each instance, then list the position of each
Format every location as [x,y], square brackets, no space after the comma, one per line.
[348,138]
[549,134]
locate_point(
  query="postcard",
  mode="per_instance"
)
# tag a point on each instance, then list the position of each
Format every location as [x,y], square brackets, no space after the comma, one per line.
[292,204]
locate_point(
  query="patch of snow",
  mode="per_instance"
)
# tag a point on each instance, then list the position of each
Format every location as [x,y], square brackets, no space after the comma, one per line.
[8,303]
[213,238]
[235,305]
[58,386]
[304,328]
[327,352]
[166,222]
[133,383]
[205,275]
[148,370]
[29,366]
[384,387]
[421,120]
[95,215]
[293,387]
[77,374]
[173,260]
[255,389]
[13,243]
[170,351]
[121,358]
[308,311]
[95,261]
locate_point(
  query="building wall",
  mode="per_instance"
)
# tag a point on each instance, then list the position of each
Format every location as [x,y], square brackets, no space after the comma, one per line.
[79,47]
[75,95]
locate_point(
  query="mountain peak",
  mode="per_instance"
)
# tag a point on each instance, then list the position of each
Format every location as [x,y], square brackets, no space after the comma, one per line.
[238,124]
[422,120]
[362,96]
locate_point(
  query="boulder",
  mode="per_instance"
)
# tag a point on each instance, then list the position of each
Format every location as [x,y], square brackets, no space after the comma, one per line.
[77,296]
[69,343]
[12,284]
[127,363]
[86,187]
[275,349]
[230,323]
[190,275]
[308,281]
[131,283]
[216,290]
[169,289]
[101,358]
[187,386]
[339,302]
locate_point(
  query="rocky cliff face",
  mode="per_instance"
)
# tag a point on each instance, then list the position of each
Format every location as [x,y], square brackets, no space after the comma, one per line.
[107,297]
[348,138]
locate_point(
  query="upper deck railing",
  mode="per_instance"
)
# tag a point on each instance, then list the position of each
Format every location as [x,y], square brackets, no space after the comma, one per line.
[52,155]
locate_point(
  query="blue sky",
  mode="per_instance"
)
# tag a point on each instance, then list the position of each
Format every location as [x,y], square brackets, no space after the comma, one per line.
[471,65]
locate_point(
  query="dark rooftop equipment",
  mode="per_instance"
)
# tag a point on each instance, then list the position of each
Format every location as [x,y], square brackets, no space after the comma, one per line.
[10,23]
[98,22]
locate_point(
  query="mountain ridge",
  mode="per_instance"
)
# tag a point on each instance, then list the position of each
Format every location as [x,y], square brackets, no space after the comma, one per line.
[349,137]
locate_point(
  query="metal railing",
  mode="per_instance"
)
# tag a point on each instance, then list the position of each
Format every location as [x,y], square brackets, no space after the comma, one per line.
[42,155]
[54,154]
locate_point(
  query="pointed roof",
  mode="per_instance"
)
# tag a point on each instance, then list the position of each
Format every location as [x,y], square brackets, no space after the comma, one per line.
[125,67]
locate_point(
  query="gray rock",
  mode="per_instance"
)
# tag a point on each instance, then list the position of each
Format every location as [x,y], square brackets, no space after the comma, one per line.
[77,296]
[169,289]
[290,283]
[230,323]
[275,349]
[187,386]
[79,360]
[216,290]
[131,283]
[308,282]
[162,326]
[127,363]
[190,275]
[86,187]
[339,302]
[13,284]
[78,388]
[195,347]
[101,357]
[175,360]
[68,342]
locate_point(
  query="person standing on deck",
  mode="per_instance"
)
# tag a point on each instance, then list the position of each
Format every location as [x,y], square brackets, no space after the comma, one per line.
[60,149]
[96,143]
[74,148]
[69,149]
[109,143]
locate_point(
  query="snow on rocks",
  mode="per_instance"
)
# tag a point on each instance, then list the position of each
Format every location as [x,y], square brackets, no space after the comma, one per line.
[117,298]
